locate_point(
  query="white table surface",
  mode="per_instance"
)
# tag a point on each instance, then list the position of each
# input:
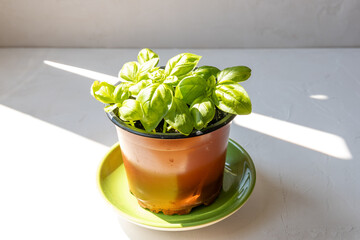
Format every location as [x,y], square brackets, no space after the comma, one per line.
[303,135]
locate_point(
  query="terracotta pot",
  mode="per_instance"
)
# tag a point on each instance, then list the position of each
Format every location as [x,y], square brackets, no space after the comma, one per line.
[172,173]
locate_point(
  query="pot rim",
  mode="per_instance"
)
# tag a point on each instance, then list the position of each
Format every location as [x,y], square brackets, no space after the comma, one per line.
[119,123]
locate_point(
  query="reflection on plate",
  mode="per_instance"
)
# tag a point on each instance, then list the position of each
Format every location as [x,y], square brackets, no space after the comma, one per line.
[239,181]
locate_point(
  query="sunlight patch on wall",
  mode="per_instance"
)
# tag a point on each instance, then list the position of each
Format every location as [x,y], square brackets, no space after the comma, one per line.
[323,142]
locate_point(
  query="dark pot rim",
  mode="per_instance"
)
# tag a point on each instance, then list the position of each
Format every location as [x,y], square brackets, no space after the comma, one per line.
[119,123]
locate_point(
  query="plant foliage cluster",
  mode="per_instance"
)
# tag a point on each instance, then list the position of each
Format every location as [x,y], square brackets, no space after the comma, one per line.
[180,96]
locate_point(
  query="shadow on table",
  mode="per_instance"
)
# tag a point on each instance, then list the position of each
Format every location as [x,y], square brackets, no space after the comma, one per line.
[263,207]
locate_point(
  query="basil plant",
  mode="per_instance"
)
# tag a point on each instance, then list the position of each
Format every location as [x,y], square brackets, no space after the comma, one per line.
[177,98]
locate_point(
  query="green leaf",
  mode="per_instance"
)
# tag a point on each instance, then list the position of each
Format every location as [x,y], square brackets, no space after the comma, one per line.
[129,71]
[211,83]
[206,71]
[172,80]
[157,75]
[181,64]
[179,117]
[103,92]
[130,110]
[145,68]
[202,111]
[136,88]
[232,98]
[234,74]
[121,92]
[111,107]
[156,101]
[107,93]
[146,54]
[191,88]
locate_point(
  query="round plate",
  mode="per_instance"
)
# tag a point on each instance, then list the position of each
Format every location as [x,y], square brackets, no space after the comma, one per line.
[239,181]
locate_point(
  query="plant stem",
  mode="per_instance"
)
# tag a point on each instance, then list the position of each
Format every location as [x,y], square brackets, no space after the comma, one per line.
[164,127]
[132,123]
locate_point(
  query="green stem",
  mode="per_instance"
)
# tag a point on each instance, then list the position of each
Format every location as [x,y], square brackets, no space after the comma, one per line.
[164,127]
[132,123]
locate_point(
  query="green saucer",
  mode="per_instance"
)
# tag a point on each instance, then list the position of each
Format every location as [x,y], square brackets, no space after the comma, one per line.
[239,181]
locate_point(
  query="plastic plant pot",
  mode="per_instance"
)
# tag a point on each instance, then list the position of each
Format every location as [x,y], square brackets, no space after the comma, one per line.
[173,173]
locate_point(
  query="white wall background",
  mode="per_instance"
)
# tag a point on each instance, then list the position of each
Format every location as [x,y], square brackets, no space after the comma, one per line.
[180,23]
